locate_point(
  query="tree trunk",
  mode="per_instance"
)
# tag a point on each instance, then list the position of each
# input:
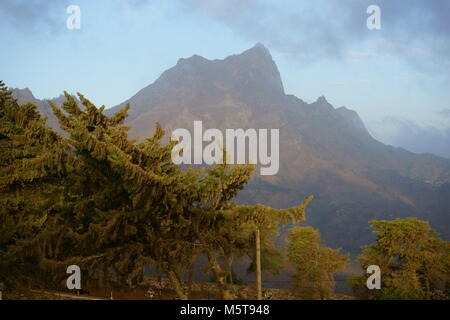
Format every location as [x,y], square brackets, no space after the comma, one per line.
[258,266]
[177,285]
[220,276]
[191,274]
[229,261]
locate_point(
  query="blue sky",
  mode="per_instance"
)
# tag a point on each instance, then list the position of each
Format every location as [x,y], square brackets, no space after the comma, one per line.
[321,47]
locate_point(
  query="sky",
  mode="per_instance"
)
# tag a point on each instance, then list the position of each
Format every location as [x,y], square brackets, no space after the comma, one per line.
[321,47]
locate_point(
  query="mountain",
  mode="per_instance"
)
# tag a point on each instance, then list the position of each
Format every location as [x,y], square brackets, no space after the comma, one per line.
[26,96]
[324,151]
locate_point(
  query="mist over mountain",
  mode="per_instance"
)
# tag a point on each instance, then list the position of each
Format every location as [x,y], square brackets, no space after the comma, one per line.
[412,136]
[324,151]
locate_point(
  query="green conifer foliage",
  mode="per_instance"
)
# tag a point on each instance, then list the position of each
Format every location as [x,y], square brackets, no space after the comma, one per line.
[94,198]
[414,263]
[315,265]
[32,160]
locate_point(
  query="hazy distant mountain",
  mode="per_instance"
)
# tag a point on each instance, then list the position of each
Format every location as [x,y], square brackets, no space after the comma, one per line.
[26,96]
[412,136]
[324,151]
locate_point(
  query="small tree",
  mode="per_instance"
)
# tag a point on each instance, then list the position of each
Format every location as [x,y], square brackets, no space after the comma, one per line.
[414,263]
[315,265]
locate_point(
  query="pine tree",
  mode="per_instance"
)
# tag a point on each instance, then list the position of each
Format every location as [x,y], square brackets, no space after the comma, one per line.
[111,205]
